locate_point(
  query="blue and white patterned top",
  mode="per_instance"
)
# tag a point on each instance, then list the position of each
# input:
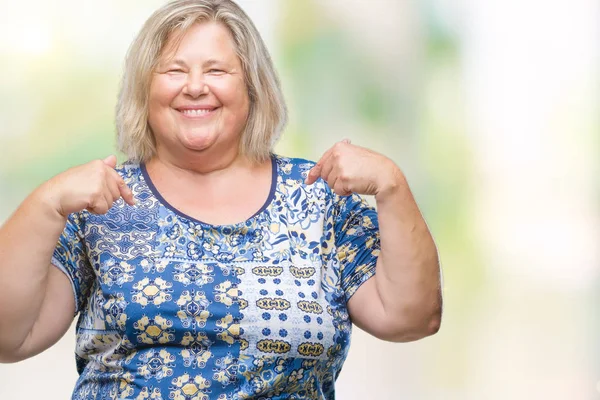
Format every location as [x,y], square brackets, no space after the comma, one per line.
[173,308]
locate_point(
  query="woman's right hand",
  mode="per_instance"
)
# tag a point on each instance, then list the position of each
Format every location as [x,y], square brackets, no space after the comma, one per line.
[94,186]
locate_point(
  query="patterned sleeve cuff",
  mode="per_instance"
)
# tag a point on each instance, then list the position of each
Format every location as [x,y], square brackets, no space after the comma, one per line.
[362,274]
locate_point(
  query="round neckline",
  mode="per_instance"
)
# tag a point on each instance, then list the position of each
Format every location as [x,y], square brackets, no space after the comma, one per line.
[166,204]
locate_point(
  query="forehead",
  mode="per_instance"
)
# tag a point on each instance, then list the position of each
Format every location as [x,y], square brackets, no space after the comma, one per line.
[202,39]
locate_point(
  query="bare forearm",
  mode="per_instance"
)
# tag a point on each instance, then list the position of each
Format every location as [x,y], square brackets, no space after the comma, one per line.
[408,274]
[27,242]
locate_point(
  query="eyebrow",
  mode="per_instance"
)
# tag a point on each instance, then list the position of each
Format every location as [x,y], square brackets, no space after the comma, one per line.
[208,63]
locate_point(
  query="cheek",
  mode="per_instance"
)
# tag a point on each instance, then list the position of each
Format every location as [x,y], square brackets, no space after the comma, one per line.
[234,94]
[163,91]
[160,97]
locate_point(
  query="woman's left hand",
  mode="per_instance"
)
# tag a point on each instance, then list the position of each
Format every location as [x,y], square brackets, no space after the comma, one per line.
[348,169]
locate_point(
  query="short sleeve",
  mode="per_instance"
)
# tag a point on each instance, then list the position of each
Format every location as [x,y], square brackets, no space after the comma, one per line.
[70,257]
[357,241]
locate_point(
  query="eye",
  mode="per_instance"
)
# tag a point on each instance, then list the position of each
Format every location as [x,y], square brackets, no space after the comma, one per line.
[215,71]
[176,71]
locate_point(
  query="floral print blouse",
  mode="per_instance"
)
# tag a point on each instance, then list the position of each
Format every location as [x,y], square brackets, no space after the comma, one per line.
[174,308]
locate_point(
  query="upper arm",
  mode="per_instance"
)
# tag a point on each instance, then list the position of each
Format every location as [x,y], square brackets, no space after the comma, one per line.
[367,312]
[357,248]
[55,317]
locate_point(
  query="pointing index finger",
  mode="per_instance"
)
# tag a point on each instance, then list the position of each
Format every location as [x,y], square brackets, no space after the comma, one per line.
[313,174]
[126,193]
[124,190]
[315,171]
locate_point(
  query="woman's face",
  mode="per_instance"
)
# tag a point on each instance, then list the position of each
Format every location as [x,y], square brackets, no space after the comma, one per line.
[198,97]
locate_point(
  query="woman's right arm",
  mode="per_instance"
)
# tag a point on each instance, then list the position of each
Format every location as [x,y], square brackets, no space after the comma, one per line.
[36,299]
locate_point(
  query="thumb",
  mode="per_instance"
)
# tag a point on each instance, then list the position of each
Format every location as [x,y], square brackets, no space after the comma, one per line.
[111,161]
[347,141]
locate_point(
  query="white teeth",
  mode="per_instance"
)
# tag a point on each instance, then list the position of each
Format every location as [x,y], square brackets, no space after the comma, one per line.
[195,112]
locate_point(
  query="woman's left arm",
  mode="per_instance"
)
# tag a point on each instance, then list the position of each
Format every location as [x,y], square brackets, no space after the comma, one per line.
[403,300]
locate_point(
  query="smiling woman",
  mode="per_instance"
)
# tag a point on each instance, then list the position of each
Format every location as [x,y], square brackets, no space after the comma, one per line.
[198,96]
[228,40]
[207,266]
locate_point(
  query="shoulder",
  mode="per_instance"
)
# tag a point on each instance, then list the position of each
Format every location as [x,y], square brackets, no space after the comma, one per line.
[293,168]
[293,172]
[134,175]
[129,171]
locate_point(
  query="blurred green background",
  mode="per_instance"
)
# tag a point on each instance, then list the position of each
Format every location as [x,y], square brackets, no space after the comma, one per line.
[490,109]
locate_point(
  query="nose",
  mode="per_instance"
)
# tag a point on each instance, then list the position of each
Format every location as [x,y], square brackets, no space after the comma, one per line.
[195,86]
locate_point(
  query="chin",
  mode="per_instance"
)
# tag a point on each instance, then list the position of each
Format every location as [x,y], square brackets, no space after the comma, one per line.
[198,141]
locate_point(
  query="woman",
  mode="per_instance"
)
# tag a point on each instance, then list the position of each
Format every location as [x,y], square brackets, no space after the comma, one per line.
[207,267]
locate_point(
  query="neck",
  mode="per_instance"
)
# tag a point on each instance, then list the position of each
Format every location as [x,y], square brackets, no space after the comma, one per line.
[200,163]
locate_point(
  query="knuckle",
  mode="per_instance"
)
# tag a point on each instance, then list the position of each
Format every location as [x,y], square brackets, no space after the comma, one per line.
[96,197]
[98,164]
[98,177]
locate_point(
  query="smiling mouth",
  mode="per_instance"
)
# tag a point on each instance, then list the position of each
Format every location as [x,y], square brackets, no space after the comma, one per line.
[195,113]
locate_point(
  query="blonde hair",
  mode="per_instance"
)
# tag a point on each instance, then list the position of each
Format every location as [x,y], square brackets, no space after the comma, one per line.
[267,114]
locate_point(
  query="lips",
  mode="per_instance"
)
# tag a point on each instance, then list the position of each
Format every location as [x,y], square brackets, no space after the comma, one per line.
[194,112]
